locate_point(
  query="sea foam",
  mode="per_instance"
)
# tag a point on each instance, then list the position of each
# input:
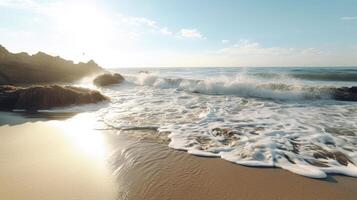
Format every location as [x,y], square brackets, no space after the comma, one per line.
[241,85]
[279,122]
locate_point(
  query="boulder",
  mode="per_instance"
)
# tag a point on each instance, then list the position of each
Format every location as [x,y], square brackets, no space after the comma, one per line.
[344,93]
[108,79]
[46,97]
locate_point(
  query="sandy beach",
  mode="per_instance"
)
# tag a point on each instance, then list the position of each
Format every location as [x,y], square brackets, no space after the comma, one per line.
[178,100]
[60,160]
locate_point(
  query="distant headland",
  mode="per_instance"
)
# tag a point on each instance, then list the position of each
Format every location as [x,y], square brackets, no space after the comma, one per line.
[40,68]
[32,82]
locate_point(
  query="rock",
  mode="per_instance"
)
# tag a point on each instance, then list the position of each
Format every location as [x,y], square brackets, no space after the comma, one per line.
[144,72]
[46,97]
[344,93]
[108,79]
[22,68]
[3,51]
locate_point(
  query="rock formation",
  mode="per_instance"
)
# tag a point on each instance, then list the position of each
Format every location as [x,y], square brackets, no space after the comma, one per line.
[45,97]
[345,93]
[21,68]
[108,79]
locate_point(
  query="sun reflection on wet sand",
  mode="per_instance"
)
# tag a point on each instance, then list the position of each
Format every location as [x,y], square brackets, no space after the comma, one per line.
[81,131]
[55,160]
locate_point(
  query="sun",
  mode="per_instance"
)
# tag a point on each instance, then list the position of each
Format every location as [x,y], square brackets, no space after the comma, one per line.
[87,27]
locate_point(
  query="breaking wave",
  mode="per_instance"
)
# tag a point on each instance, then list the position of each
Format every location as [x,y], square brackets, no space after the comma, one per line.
[239,85]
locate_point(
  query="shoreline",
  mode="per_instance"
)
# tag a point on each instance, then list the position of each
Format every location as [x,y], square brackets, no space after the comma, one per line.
[160,172]
[56,160]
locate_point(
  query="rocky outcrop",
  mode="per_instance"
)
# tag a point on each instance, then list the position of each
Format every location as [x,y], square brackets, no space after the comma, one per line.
[46,97]
[108,79]
[344,93]
[22,68]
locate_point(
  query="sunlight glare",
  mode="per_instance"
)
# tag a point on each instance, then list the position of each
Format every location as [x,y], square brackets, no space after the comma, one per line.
[80,131]
[87,28]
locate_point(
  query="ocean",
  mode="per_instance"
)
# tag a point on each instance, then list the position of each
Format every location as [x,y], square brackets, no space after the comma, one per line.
[263,117]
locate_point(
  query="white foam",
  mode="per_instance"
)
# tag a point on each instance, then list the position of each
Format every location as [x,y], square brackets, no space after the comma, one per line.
[267,139]
[241,84]
[259,132]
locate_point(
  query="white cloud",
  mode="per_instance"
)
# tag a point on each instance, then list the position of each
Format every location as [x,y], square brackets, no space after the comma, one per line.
[225,41]
[250,53]
[165,31]
[349,18]
[246,49]
[137,21]
[191,33]
[28,4]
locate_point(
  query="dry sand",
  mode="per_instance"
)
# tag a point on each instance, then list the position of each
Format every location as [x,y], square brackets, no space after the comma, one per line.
[57,161]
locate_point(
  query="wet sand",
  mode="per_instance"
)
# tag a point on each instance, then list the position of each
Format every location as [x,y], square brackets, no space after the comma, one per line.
[68,160]
[147,170]
[42,161]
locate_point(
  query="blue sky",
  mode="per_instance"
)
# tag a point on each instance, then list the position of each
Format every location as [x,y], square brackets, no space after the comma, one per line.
[168,33]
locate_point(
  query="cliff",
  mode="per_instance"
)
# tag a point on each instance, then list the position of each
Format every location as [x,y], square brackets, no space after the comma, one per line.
[22,68]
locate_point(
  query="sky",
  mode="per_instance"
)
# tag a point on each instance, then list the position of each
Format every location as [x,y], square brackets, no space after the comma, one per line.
[185,33]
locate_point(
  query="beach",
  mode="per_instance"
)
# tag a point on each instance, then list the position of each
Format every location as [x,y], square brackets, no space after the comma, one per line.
[178,100]
[66,159]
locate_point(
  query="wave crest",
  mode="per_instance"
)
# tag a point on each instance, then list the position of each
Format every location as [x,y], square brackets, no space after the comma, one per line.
[240,85]
[316,76]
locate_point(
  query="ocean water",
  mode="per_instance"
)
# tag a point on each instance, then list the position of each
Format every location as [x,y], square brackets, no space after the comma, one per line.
[269,117]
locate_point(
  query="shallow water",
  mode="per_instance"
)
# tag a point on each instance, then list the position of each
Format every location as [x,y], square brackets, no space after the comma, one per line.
[276,117]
